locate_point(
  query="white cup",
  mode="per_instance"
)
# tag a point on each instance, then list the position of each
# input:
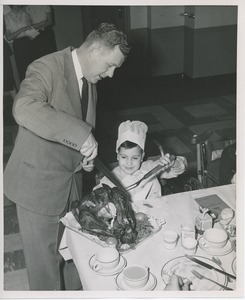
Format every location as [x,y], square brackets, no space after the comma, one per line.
[170,239]
[136,276]
[106,258]
[227,215]
[215,238]
[189,246]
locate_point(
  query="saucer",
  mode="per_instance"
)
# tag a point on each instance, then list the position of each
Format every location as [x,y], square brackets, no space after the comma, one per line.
[122,286]
[213,251]
[108,272]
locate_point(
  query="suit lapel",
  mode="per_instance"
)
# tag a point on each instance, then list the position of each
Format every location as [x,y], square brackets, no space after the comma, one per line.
[72,84]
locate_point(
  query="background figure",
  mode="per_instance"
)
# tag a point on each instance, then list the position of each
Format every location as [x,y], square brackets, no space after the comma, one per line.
[42,20]
[8,75]
[227,164]
[17,22]
[29,27]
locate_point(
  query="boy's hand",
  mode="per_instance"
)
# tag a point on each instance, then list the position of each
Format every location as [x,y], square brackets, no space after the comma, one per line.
[165,160]
[175,168]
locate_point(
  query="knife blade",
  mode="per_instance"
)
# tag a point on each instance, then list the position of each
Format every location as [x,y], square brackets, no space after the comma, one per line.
[106,172]
[202,263]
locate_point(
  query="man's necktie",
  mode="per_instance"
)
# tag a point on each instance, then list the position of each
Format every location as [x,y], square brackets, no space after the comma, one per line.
[84,98]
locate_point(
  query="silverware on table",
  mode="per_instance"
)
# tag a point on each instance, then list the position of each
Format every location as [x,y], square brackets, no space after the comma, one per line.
[148,205]
[200,276]
[202,263]
[216,260]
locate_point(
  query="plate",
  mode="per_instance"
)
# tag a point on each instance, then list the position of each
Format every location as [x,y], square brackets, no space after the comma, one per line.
[122,286]
[233,266]
[70,222]
[182,267]
[212,251]
[108,272]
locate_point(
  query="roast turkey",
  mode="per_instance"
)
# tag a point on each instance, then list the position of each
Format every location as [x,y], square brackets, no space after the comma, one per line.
[107,212]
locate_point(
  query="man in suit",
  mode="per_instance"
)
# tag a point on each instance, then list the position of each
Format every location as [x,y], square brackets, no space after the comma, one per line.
[54,143]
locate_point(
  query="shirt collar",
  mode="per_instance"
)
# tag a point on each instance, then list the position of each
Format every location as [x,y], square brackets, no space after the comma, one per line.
[77,65]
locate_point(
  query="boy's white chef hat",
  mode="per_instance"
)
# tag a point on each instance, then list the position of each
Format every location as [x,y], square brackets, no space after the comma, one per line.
[133,131]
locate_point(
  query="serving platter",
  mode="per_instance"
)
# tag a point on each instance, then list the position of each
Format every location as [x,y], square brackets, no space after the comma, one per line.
[182,267]
[156,224]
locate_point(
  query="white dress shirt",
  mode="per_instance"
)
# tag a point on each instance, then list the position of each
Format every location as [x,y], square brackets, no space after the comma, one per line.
[78,69]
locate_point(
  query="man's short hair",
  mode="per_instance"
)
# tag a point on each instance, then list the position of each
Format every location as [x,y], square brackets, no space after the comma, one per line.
[108,35]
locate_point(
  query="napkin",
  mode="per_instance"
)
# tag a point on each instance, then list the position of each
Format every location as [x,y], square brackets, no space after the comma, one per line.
[63,248]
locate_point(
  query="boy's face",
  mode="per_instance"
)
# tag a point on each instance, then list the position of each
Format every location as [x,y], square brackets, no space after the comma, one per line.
[130,159]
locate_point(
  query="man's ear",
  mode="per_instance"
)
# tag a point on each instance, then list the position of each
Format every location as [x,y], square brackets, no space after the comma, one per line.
[117,156]
[95,48]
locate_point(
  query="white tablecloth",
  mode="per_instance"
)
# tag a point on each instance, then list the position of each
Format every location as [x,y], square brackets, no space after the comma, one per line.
[175,209]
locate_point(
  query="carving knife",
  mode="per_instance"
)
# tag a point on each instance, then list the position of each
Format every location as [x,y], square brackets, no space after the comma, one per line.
[202,263]
[106,172]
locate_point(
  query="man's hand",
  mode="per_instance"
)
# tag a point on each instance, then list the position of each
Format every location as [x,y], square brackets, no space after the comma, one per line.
[90,148]
[177,284]
[88,166]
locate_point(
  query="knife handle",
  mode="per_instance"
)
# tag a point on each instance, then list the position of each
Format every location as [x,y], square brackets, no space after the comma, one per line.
[225,273]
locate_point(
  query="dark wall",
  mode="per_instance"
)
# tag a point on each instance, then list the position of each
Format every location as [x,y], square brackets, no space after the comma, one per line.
[214,51]
[138,59]
[167,50]
[68,26]
[197,52]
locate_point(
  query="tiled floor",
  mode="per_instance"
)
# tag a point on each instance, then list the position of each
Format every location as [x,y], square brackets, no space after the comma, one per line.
[172,119]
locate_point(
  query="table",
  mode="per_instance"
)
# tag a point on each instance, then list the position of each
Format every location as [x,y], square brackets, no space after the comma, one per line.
[175,209]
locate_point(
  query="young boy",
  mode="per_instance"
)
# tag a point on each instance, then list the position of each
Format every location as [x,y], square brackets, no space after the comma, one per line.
[131,167]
